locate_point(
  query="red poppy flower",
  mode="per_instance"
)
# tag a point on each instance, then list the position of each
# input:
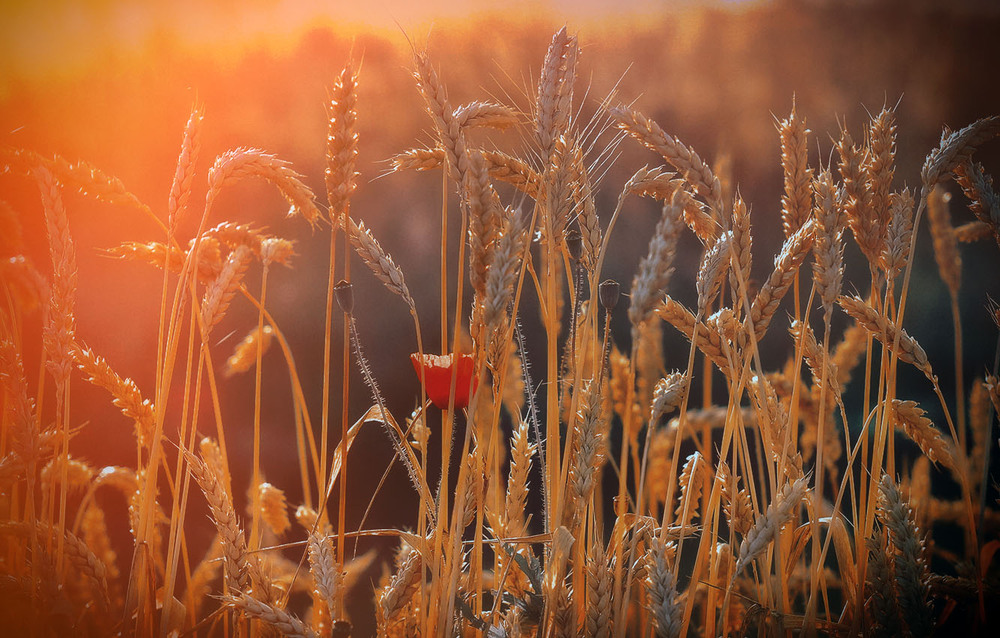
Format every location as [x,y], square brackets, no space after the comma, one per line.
[436,369]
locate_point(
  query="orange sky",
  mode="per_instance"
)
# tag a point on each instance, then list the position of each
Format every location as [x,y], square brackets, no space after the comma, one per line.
[38,39]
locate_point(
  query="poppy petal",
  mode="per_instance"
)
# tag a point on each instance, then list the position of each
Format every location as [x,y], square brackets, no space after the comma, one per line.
[436,372]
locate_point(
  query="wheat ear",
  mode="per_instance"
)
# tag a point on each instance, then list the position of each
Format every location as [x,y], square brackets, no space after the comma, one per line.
[766,528]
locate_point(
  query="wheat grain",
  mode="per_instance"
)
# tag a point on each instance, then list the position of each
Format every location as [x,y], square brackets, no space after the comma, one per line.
[244,354]
[910,569]
[342,143]
[882,602]
[922,432]
[795,202]
[60,325]
[682,157]
[742,251]
[378,260]
[284,622]
[589,441]
[555,91]
[786,265]
[125,393]
[858,198]
[736,501]
[241,163]
[180,189]
[583,197]
[714,267]
[691,480]
[983,201]
[946,253]
[955,148]
[684,320]
[887,332]
[879,170]
[158,254]
[220,503]
[97,539]
[668,394]
[327,576]
[661,590]
[972,232]
[402,587]
[219,294]
[655,269]
[897,245]
[828,247]
[274,508]
[781,509]
[501,275]
[486,115]
[597,623]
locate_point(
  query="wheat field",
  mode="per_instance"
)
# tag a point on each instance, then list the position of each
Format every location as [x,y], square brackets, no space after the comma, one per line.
[565,479]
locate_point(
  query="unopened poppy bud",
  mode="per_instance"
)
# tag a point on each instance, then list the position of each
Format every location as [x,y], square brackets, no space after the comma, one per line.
[608,292]
[574,244]
[345,296]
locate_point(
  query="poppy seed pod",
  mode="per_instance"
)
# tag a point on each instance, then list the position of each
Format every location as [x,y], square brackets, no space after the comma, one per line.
[608,292]
[574,244]
[345,296]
